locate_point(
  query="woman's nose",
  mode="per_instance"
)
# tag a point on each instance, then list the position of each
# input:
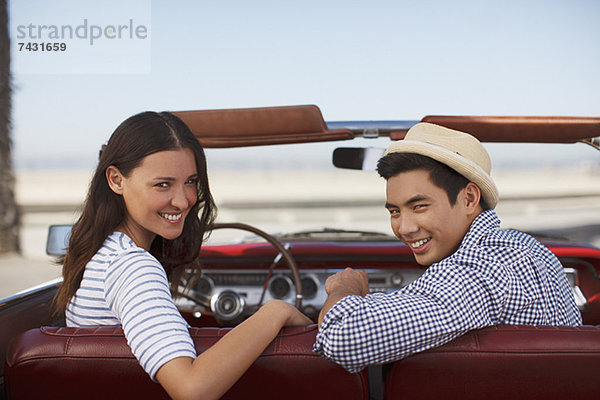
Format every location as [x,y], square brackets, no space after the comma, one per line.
[180,199]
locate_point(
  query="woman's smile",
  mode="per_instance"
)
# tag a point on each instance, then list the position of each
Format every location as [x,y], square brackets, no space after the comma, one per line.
[173,218]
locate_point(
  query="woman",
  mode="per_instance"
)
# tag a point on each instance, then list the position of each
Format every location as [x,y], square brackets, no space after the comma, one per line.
[146,212]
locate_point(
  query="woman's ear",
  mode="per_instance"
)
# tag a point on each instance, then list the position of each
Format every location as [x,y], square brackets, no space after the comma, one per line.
[472,196]
[114,179]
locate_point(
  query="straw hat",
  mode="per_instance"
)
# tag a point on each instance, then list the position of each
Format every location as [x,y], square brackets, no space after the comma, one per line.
[458,150]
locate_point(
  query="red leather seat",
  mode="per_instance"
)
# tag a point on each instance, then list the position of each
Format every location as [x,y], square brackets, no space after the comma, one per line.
[96,363]
[504,362]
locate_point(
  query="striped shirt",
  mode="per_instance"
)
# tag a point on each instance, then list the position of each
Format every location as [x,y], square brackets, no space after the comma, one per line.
[124,285]
[495,277]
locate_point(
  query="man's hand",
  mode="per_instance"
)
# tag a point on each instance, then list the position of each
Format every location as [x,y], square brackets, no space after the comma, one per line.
[348,282]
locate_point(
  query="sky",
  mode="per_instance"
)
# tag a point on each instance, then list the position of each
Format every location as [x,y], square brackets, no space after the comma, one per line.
[383,60]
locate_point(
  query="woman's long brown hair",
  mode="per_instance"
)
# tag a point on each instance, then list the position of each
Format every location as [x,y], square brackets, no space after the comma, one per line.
[103,210]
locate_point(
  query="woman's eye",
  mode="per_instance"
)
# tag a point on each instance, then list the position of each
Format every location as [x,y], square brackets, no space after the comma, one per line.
[191,181]
[163,185]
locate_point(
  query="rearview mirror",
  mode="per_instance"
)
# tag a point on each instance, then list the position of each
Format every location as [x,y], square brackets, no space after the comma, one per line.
[363,158]
[58,240]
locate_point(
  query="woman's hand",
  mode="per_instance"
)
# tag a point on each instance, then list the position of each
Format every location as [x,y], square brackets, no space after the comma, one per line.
[292,316]
[297,318]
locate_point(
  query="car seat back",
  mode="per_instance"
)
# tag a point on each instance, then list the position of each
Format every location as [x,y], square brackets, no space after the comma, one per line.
[97,363]
[504,362]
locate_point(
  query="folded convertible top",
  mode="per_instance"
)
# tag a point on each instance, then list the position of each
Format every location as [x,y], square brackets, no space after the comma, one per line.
[304,124]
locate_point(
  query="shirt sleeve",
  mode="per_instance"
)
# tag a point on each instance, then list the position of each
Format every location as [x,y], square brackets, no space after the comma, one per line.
[137,291]
[380,328]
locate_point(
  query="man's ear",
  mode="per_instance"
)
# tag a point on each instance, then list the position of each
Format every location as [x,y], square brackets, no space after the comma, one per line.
[114,179]
[472,196]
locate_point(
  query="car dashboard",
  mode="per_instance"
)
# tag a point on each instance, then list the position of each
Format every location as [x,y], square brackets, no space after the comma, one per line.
[237,278]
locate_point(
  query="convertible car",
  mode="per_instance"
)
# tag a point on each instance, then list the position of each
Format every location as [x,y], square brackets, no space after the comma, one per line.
[41,358]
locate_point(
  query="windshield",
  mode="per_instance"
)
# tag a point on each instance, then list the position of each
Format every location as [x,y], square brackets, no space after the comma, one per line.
[551,189]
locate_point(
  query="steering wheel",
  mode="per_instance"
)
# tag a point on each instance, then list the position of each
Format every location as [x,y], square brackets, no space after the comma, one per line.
[229,305]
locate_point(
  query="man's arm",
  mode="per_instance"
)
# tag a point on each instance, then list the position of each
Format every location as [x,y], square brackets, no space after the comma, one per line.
[380,328]
[348,282]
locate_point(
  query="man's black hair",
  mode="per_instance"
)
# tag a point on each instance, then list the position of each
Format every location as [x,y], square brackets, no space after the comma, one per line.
[440,174]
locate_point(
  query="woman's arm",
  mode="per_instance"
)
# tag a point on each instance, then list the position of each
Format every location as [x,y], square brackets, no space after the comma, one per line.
[214,371]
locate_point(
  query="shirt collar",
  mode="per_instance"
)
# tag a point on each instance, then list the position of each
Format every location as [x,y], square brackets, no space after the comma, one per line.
[484,224]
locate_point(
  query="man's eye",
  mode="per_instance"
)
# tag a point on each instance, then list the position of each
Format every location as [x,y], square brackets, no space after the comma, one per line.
[393,211]
[419,206]
[163,185]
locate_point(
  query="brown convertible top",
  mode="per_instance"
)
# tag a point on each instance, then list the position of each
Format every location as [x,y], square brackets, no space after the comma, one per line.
[302,124]
[519,129]
[260,126]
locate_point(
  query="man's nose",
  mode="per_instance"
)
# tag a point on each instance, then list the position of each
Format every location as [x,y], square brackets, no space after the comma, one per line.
[406,225]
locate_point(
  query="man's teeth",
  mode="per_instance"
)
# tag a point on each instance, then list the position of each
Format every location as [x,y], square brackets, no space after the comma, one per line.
[419,243]
[171,217]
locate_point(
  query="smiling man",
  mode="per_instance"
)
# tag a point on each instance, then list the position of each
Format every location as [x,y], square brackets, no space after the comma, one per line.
[441,200]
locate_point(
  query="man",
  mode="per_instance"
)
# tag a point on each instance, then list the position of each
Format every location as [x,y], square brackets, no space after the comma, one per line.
[441,200]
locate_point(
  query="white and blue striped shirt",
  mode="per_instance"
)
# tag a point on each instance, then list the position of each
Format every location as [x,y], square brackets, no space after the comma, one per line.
[124,285]
[495,277]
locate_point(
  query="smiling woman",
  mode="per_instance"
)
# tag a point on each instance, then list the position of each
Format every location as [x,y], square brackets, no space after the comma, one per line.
[146,213]
[106,210]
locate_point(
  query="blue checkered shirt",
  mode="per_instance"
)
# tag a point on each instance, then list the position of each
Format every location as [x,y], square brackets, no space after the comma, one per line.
[495,277]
